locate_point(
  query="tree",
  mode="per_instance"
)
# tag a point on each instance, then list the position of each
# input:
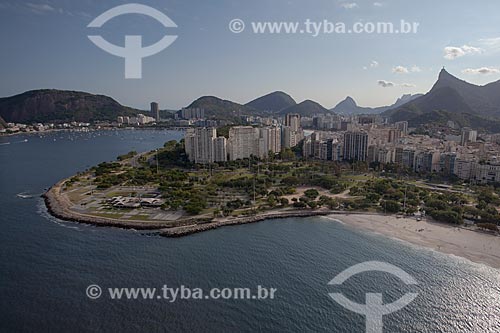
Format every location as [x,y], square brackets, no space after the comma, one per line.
[311,194]
[271,200]
[448,216]
[391,206]
[287,154]
[299,204]
[312,204]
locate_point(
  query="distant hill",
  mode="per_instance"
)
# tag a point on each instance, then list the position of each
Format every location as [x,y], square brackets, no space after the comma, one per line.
[350,107]
[3,123]
[217,108]
[50,105]
[307,108]
[273,102]
[455,99]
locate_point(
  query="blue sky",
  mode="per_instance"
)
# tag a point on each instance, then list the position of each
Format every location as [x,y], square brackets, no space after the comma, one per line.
[45,45]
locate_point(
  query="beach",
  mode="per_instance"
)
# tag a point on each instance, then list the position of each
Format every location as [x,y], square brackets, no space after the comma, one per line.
[477,246]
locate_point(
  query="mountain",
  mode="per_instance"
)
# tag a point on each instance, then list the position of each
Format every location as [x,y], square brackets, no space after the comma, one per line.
[456,100]
[50,105]
[273,102]
[349,106]
[404,99]
[222,109]
[307,108]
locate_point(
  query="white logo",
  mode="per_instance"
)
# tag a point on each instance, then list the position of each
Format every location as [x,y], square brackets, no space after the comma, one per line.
[374,309]
[133,52]
[93,291]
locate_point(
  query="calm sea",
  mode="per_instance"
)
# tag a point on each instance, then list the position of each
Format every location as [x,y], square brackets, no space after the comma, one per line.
[46,264]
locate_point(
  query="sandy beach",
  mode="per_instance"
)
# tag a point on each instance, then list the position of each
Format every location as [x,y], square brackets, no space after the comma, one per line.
[476,246]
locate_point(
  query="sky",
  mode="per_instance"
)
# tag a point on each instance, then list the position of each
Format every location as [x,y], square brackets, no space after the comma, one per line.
[45,45]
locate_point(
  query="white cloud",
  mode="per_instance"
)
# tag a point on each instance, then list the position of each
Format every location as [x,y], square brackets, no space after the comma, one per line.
[482,70]
[400,70]
[40,8]
[490,41]
[491,44]
[385,84]
[373,64]
[349,5]
[415,69]
[378,4]
[389,84]
[453,52]
[406,70]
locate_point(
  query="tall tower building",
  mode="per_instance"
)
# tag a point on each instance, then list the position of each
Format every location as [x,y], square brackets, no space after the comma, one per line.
[292,121]
[355,146]
[243,142]
[155,111]
[468,135]
[220,150]
[403,126]
[199,144]
[270,140]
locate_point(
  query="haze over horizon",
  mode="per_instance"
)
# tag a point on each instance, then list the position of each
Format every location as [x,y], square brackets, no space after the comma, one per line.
[208,59]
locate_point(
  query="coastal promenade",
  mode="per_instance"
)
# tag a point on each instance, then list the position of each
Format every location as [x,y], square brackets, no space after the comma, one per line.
[59,205]
[473,244]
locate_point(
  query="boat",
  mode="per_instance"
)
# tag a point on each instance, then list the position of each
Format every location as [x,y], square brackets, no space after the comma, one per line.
[24,195]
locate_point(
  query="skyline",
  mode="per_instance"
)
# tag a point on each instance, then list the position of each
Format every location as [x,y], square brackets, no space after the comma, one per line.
[208,59]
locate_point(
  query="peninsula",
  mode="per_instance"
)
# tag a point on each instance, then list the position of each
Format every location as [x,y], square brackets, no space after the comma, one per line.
[162,191]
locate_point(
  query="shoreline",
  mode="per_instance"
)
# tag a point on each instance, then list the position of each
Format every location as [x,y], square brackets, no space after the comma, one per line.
[474,245]
[60,207]
[477,246]
[90,129]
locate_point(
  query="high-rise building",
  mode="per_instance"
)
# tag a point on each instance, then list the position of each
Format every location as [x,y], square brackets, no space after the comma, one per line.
[292,121]
[191,113]
[291,138]
[220,150]
[468,135]
[394,135]
[355,146]
[270,140]
[463,168]
[427,161]
[403,126]
[155,111]
[408,158]
[203,146]
[447,163]
[243,142]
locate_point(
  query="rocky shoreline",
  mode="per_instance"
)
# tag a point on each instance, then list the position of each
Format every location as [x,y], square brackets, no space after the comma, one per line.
[192,229]
[60,207]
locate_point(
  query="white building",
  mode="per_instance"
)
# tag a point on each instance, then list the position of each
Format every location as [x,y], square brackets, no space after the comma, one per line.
[468,135]
[290,137]
[220,150]
[270,140]
[243,142]
[463,168]
[203,146]
[293,121]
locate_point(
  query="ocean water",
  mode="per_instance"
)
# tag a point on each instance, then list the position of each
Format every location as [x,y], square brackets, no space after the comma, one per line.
[47,264]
